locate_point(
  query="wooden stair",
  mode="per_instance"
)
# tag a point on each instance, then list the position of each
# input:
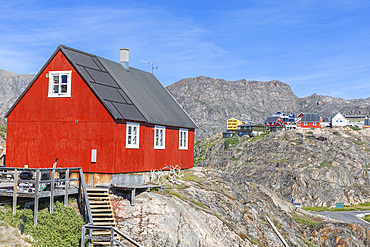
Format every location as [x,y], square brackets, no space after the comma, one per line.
[102,213]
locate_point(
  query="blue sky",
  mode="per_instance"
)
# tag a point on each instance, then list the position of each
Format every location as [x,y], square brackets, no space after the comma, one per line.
[314,46]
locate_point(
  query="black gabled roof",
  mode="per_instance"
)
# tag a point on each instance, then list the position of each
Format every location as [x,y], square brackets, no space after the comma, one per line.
[310,117]
[133,94]
[272,119]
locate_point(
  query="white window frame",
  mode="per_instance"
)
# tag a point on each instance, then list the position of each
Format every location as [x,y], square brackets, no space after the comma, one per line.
[159,137]
[183,139]
[130,137]
[51,94]
[314,124]
[305,124]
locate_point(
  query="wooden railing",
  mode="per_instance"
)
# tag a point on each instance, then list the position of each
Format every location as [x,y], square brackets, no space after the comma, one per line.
[114,233]
[10,175]
[89,227]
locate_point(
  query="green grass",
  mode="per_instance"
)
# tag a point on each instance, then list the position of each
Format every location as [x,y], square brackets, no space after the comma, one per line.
[175,194]
[325,163]
[358,207]
[357,142]
[198,204]
[231,141]
[355,128]
[336,133]
[279,161]
[61,228]
[258,137]
[304,165]
[309,133]
[188,176]
[367,218]
[233,158]
[312,223]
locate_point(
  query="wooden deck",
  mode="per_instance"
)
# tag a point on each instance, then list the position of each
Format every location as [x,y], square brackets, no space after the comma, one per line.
[41,183]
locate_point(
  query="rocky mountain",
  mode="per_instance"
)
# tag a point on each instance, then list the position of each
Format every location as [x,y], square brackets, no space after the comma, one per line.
[315,167]
[11,86]
[210,102]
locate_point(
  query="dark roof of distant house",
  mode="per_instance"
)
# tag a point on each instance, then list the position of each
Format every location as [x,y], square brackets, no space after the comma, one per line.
[250,124]
[310,117]
[272,119]
[355,116]
[326,120]
[133,94]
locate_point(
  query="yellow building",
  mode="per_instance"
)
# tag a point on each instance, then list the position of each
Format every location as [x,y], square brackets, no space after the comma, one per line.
[356,120]
[232,123]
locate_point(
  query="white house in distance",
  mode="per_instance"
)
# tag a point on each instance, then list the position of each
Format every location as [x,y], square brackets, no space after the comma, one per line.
[339,120]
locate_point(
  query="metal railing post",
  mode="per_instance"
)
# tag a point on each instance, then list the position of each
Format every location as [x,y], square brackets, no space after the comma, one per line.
[37,187]
[15,191]
[52,187]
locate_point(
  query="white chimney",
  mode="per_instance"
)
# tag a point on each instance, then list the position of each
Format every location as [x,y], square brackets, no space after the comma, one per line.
[124,58]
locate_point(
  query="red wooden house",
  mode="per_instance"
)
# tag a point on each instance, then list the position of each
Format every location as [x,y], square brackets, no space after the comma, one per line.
[101,115]
[274,122]
[308,121]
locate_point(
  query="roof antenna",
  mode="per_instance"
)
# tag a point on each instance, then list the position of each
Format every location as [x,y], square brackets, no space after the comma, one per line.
[151,63]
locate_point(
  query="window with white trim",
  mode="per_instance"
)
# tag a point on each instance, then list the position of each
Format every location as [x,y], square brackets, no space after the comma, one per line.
[314,124]
[305,124]
[183,139]
[159,137]
[59,84]
[132,135]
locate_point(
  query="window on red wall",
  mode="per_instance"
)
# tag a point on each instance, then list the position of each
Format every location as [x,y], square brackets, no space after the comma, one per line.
[59,84]
[159,137]
[183,139]
[132,135]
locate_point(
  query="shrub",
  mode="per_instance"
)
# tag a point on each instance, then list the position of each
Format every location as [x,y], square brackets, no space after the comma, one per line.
[61,228]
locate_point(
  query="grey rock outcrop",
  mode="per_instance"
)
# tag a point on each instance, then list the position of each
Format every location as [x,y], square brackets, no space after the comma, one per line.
[315,167]
[209,207]
[11,86]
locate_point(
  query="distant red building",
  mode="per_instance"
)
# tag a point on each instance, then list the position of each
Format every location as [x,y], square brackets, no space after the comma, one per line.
[274,122]
[98,114]
[308,121]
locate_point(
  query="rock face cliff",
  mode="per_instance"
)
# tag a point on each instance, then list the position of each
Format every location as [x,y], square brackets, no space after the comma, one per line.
[315,167]
[210,102]
[11,86]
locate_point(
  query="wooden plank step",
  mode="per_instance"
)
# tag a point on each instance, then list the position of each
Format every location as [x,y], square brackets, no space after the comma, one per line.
[102,210]
[104,223]
[97,202]
[101,206]
[99,197]
[97,190]
[100,243]
[103,219]
[103,233]
[97,194]
[101,214]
